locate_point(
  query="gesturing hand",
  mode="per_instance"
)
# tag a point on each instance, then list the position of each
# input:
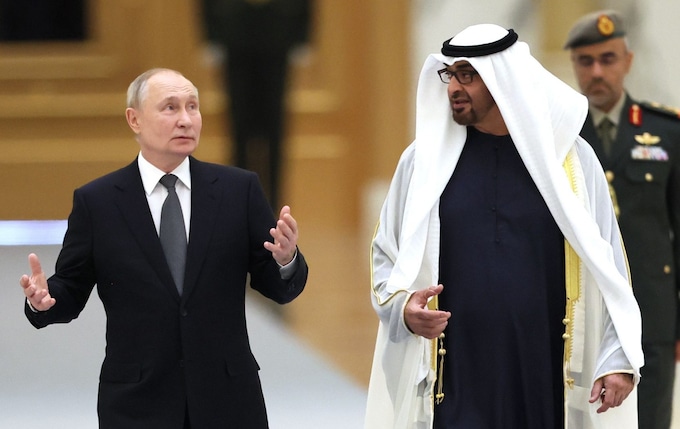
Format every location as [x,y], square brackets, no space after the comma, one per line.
[285,238]
[35,286]
[421,320]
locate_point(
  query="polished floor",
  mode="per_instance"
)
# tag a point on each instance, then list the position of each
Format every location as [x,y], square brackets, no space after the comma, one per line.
[315,353]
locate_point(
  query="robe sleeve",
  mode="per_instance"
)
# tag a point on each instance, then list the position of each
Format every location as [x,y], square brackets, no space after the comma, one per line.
[385,249]
[611,357]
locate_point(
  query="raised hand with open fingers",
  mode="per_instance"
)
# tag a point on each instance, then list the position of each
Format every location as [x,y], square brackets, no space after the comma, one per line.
[35,286]
[285,236]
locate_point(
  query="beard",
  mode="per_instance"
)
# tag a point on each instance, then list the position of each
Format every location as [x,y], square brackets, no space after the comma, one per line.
[465,117]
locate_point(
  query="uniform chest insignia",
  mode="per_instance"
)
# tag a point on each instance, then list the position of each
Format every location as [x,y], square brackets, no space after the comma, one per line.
[649,153]
[635,115]
[647,139]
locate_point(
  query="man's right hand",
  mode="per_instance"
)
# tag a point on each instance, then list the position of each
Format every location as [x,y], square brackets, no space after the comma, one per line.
[35,286]
[420,319]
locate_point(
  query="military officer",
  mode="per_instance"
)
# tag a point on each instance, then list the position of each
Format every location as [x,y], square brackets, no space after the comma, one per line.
[638,144]
[259,39]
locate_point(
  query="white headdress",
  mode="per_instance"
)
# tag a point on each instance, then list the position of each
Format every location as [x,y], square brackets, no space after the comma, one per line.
[544,117]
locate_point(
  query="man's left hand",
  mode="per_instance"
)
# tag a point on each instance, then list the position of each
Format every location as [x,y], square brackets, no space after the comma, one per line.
[612,389]
[285,238]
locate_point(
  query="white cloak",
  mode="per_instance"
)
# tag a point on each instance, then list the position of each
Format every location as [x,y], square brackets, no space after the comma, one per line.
[544,122]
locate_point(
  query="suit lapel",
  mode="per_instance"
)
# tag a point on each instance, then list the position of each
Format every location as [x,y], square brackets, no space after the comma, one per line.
[133,205]
[205,202]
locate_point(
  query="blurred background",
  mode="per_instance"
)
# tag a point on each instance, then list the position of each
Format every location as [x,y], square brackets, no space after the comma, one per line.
[349,115]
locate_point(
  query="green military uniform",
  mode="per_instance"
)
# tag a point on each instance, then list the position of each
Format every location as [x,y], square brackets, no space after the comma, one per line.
[644,169]
[642,164]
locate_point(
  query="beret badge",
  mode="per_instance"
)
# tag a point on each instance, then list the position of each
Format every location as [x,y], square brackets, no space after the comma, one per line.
[605,25]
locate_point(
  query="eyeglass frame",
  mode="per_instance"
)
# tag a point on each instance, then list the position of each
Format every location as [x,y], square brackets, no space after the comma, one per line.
[445,75]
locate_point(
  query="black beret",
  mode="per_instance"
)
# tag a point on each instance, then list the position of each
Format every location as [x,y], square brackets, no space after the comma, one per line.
[596,27]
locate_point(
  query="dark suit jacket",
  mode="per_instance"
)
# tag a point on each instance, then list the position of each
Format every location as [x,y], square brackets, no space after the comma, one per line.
[167,353]
[648,195]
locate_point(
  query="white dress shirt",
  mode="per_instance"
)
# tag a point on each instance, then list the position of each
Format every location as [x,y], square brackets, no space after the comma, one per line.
[156,192]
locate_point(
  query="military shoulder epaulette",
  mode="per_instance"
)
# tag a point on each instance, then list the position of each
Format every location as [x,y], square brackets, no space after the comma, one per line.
[672,112]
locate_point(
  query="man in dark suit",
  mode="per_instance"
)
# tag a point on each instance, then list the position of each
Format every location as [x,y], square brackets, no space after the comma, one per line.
[258,38]
[177,353]
[638,145]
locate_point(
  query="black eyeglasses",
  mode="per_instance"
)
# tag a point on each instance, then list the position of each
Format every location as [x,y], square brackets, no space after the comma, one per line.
[463,77]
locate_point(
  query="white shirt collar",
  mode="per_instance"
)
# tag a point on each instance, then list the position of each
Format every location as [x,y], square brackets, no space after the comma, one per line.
[151,174]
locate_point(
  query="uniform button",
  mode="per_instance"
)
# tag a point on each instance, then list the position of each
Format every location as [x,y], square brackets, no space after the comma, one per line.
[184,312]
[667,269]
[610,175]
[566,336]
[649,177]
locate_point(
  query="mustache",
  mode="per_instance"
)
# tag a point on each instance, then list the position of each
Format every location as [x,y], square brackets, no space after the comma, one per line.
[459,95]
[598,81]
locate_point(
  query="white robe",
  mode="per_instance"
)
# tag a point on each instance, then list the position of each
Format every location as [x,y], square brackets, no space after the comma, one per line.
[544,126]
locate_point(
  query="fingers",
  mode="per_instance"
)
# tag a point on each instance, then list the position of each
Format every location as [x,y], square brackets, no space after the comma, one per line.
[612,390]
[596,390]
[39,298]
[285,236]
[421,320]
[34,263]
[286,226]
[284,210]
[433,290]
[286,223]
[35,286]
[24,281]
[426,323]
[421,297]
[611,399]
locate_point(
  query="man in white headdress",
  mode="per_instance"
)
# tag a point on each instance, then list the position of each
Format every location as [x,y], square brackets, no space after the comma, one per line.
[498,271]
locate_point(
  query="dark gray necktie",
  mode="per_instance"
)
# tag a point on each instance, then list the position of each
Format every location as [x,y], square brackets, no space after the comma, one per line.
[172,232]
[605,131]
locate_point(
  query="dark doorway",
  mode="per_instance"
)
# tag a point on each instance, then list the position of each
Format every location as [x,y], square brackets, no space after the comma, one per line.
[42,20]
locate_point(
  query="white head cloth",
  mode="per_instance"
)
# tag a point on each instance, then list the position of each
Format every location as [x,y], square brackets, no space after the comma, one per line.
[544,117]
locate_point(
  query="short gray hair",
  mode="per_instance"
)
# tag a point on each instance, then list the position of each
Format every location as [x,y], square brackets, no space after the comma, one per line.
[137,90]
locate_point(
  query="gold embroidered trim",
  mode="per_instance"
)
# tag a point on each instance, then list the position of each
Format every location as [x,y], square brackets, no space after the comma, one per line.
[437,350]
[572,281]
